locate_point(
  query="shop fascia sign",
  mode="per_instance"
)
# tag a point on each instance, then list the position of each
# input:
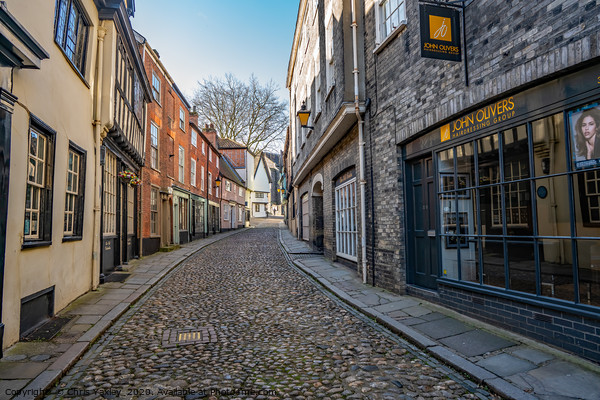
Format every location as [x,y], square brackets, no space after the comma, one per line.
[484,117]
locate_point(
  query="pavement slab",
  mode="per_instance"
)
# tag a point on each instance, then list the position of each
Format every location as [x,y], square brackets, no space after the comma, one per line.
[505,365]
[444,327]
[532,355]
[21,370]
[476,342]
[560,379]
[11,387]
[417,311]
[398,305]
[370,299]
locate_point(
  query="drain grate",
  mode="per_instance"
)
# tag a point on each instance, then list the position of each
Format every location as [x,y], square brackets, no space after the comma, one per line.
[203,334]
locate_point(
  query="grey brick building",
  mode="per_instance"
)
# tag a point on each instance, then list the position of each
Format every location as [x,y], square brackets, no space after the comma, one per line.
[482,197]
[323,158]
[482,183]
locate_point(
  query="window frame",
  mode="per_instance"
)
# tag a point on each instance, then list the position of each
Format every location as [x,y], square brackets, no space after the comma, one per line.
[329,55]
[183,214]
[154,159]
[45,189]
[154,212]
[181,119]
[381,38]
[346,223]
[109,194]
[192,172]
[156,92]
[76,233]
[181,164]
[78,58]
[226,211]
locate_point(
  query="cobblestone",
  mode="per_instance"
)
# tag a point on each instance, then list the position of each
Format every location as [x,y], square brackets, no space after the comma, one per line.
[277,336]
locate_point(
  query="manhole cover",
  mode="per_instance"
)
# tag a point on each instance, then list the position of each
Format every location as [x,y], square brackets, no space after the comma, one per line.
[203,334]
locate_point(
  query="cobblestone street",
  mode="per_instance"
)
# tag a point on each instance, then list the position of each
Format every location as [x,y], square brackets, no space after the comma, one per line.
[237,321]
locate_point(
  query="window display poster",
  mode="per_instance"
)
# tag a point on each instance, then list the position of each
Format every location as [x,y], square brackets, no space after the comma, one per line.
[584,124]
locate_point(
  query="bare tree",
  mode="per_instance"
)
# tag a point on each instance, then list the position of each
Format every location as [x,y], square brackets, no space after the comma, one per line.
[249,113]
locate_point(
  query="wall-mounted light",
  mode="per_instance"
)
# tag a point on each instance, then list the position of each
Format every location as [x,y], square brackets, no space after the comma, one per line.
[218,181]
[304,114]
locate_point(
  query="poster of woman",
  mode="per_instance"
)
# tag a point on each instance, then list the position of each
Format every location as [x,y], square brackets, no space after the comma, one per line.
[585,133]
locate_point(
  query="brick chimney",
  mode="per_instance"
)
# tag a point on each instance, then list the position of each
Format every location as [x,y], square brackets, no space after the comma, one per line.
[194,116]
[211,133]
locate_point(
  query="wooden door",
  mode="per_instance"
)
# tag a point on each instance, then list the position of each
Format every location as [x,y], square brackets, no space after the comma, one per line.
[422,231]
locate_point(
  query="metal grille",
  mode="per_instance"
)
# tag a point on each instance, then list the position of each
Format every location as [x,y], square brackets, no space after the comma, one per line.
[203,334]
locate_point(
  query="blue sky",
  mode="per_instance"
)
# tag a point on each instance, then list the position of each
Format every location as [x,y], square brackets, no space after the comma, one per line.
[197,39]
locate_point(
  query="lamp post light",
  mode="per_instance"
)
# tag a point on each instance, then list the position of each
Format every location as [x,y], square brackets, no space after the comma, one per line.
[303,114]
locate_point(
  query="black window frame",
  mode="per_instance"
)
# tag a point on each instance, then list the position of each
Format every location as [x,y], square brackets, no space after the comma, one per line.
[80,199]
[47,192]
[79,53]
[156,92]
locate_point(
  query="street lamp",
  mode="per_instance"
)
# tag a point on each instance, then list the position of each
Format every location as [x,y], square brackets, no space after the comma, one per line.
[303,114]
[218,181]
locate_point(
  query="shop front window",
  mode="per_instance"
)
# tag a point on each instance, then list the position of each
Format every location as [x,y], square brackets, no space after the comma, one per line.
[514,214]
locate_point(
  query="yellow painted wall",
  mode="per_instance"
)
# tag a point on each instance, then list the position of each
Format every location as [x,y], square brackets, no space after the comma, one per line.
[59,97]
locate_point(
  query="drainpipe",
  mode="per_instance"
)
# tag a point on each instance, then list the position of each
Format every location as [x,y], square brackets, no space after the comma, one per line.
[98,136]
[361,148]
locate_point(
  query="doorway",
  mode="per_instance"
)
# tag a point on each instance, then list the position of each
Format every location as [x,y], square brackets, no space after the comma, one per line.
[423,262]
[317,222]
[305,217]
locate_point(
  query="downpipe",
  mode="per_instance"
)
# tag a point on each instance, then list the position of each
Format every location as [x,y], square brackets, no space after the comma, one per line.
[96,248]
[361,148]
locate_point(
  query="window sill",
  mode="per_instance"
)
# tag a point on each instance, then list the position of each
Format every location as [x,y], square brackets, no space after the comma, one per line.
[329,91]
[317,116]
[34,244]
[390,37]
[72,238]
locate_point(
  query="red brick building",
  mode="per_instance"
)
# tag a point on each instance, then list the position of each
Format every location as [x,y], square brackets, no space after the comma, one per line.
[175,185]
[212,173]
[232,197]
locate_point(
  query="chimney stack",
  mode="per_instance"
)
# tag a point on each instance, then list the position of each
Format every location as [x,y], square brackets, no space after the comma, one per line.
[210,133]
